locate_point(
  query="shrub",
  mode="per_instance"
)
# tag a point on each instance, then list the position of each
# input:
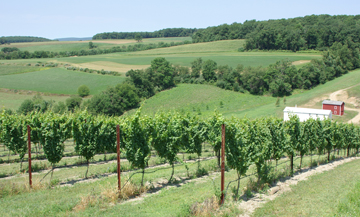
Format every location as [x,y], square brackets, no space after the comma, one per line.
[83,91]
[73,102]
[26,106]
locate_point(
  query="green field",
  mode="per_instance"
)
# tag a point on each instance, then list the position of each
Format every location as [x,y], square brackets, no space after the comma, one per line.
[58,81]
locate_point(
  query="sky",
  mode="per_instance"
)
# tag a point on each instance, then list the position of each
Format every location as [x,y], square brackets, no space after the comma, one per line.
[80,18]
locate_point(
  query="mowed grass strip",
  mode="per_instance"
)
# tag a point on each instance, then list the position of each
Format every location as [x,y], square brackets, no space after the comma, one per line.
[59,81]
[320,195]
[17,69]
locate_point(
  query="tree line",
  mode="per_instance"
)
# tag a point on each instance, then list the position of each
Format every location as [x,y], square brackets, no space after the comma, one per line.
[247,141]
[163,33]
[300,33]
[18,39]
[10,53]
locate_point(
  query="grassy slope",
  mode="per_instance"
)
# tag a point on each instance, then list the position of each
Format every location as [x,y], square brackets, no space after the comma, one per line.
[354,91]
[59,81]
[350,205]
[191,97]
[318,196]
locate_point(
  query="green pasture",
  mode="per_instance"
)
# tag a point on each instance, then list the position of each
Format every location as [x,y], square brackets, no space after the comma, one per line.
[58,81]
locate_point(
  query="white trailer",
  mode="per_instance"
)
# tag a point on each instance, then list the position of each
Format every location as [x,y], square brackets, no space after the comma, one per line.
[306,113]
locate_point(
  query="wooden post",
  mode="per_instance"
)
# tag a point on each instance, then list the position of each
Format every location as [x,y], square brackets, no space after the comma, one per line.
[118,155]
[222,162]
[29,155]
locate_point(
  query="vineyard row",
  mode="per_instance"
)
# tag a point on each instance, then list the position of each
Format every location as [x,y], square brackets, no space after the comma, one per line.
[247,141]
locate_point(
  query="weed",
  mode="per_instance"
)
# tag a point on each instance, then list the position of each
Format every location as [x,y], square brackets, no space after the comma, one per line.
[248,193]
[54,182]
[201,172]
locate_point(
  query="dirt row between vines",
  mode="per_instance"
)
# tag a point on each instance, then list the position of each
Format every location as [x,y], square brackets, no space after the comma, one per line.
[284,185]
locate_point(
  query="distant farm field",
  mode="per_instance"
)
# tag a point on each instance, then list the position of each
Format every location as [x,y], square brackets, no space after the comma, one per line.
[59,81]
[58,46]
[16,69]
[222,52]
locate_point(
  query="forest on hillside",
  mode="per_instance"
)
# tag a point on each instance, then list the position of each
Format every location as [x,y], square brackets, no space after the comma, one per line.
[18,39]
[301,33]
[163,33]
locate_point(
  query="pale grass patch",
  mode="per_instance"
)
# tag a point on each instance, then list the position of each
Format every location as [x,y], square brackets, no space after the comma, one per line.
[11,189]
[86,201]
[132,190]
[206,208]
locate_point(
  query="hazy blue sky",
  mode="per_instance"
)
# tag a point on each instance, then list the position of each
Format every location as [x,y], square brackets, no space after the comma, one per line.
[80,18]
